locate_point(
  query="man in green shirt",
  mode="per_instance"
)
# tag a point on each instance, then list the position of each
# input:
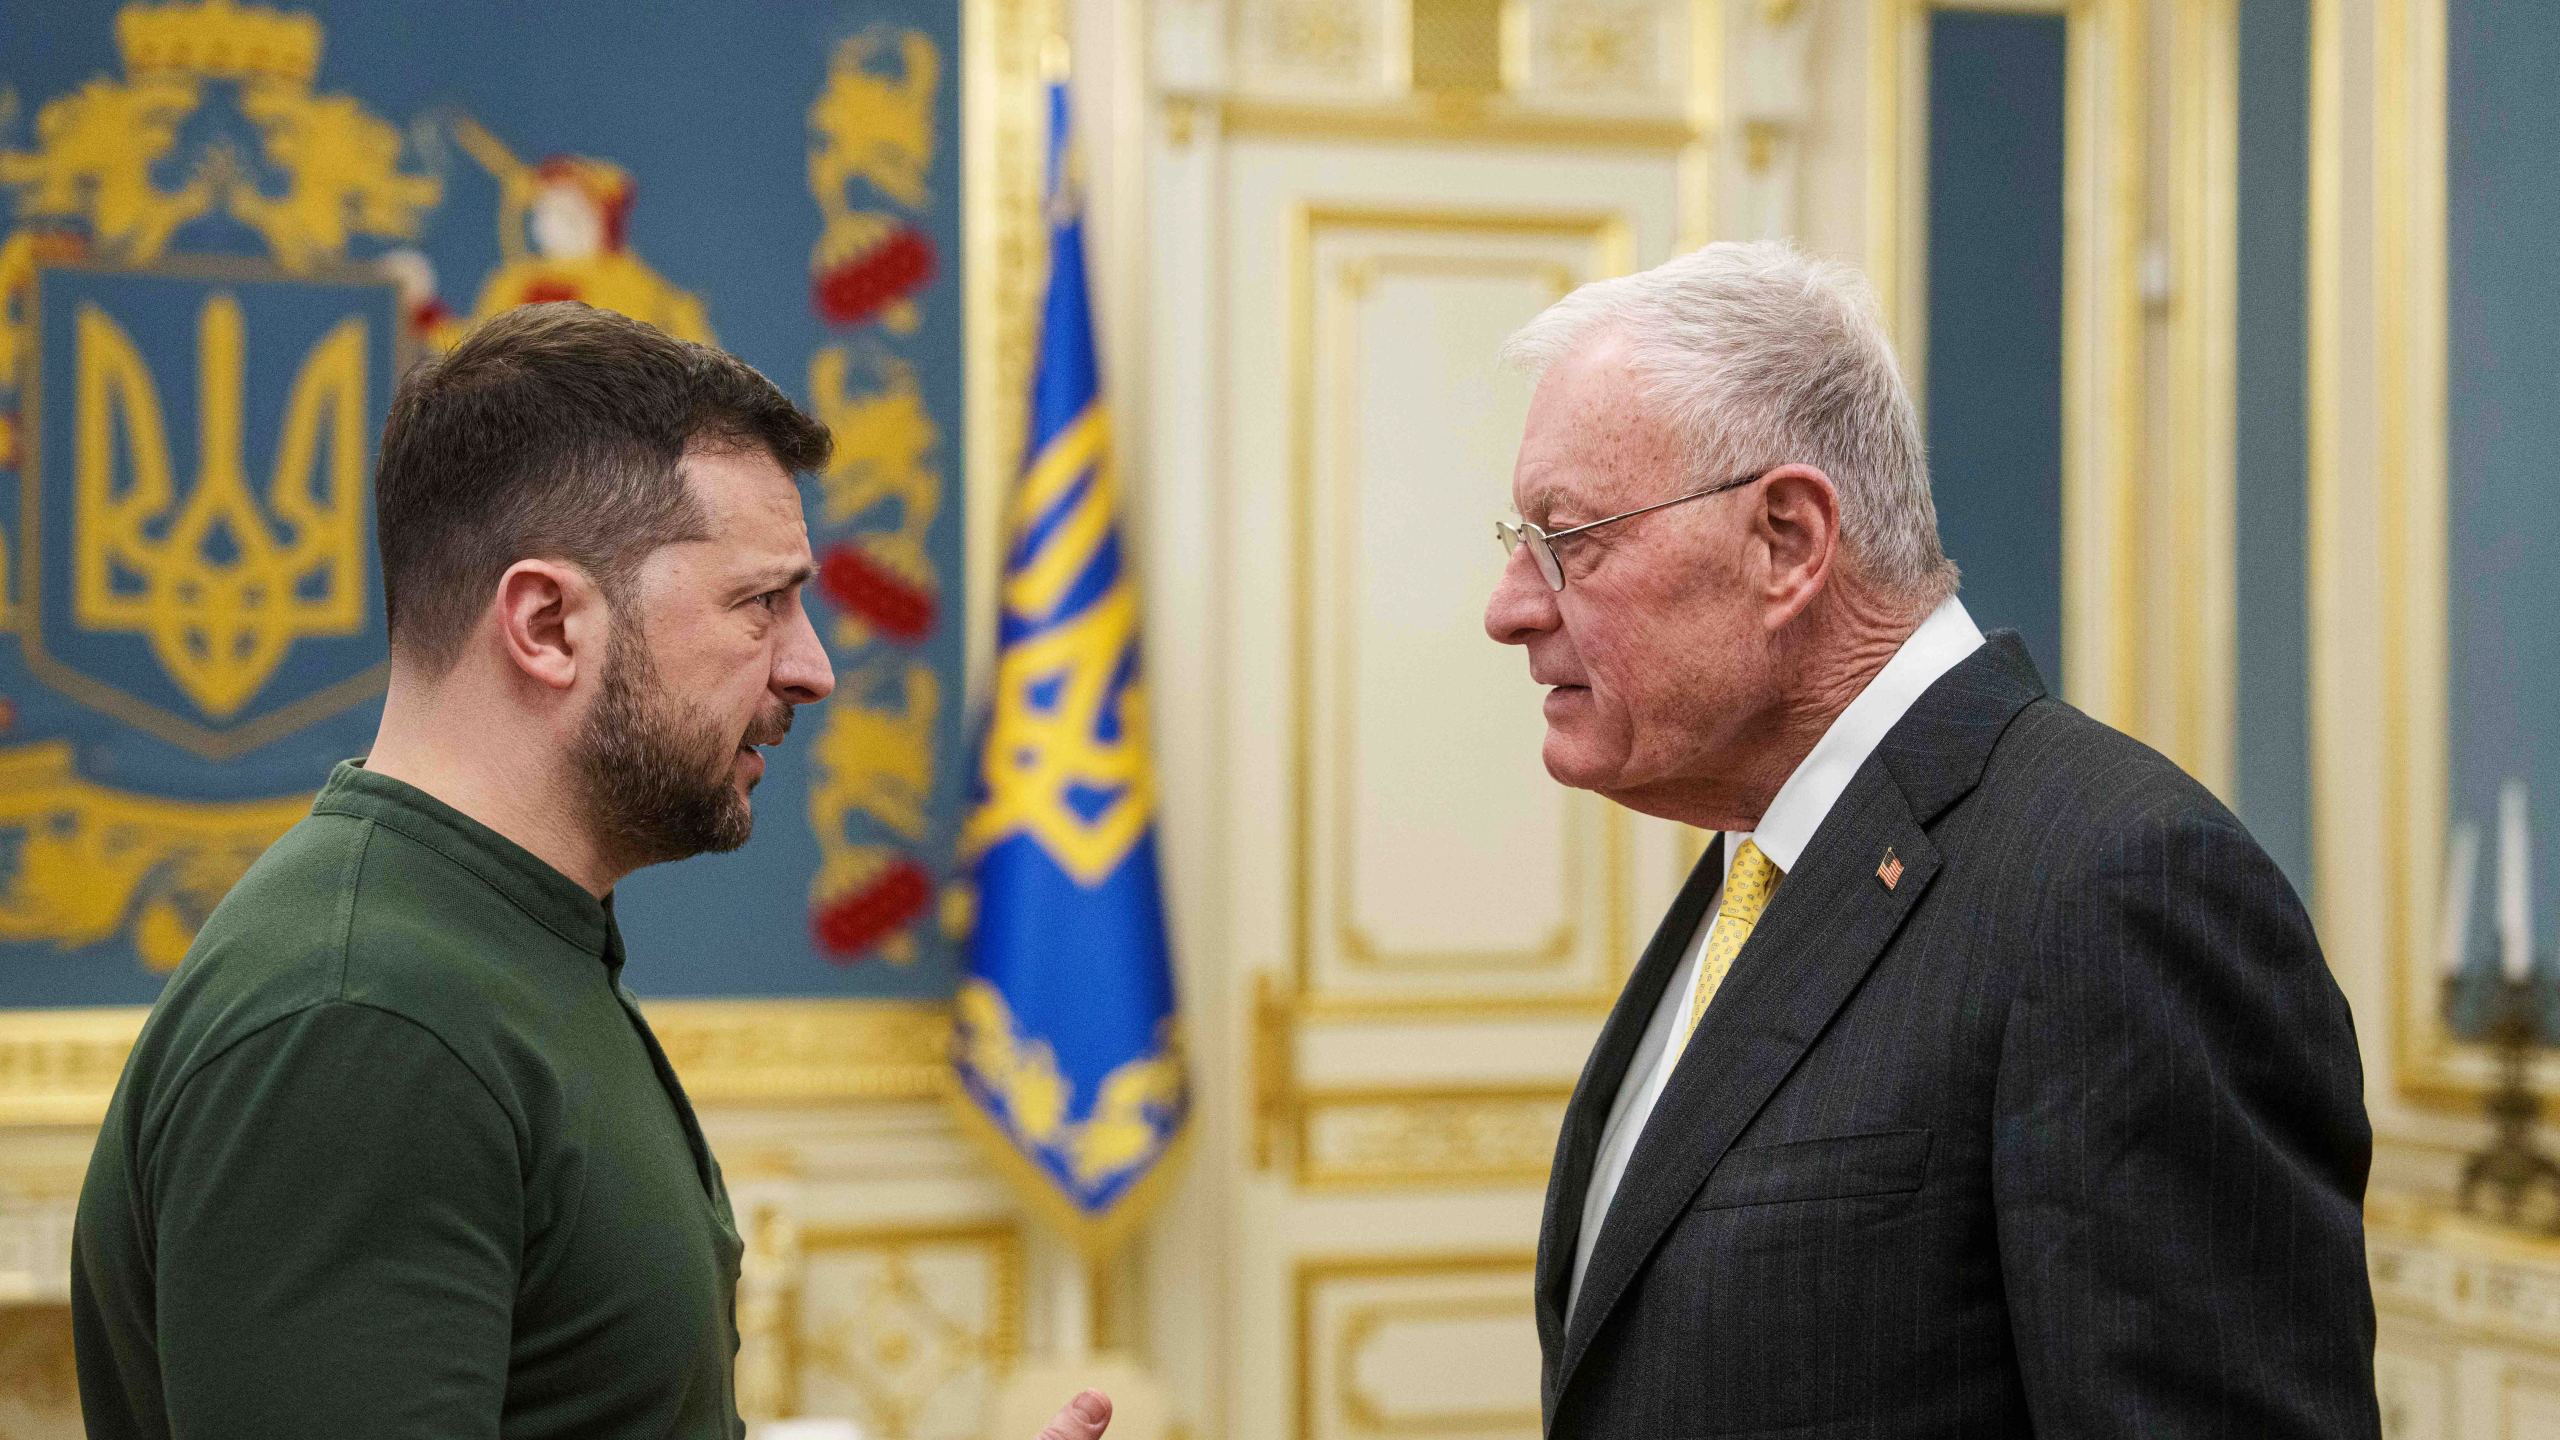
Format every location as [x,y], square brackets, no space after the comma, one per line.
[396,1154]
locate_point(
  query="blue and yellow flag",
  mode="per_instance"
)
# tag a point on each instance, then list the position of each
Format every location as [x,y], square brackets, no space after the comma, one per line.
[1066,1044]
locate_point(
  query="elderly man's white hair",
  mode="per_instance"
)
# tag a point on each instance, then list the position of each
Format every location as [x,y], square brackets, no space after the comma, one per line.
[1759,356]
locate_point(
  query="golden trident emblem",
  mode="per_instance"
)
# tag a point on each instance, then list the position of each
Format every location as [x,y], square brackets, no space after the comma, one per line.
[221,593]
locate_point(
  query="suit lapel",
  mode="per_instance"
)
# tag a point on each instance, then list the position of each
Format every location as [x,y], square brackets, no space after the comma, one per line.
[1588,1112]
[1823,931]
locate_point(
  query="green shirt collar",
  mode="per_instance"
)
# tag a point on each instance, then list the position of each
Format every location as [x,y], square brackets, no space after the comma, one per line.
[552,900]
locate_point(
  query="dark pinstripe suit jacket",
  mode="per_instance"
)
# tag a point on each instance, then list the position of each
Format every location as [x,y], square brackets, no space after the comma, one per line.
[2062,1134]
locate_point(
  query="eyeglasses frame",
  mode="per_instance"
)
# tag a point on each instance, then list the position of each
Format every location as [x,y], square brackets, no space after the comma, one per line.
[1512,536]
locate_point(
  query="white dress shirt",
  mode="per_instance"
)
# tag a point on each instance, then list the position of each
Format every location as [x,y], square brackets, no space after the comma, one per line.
[1942,641]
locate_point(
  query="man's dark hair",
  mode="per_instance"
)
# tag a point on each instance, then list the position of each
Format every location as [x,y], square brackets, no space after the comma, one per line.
[556,431]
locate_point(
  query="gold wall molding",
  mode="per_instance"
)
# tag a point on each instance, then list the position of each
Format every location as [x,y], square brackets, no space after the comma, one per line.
[1354,282]
[1004,134]
[36,1369]
[2410,572]
[1317,467]
[1401,1136]
[2104,173]
[931,1319]
[1371,1413]
[1424,1137]
[2434,1263]
[59,1067]
[1452,119]
[1526,72]
[748,1052]
[1332,42]
[1336,1325]
[2201,465]
[1581,46]
[1458,46]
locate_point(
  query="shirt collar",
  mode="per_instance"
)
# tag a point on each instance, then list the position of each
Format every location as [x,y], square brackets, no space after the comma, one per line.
[1938,646]
[547,897]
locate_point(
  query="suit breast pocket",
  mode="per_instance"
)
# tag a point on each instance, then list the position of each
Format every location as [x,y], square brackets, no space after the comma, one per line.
[1839,1167]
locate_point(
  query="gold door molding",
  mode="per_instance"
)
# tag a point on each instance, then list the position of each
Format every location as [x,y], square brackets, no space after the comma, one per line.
[1331,939]
[1366,1324]
[1382,1125]
[1390,1137]
[1005,131]
[1636,75]
[2406,713]
[2102,325]
[2199,544]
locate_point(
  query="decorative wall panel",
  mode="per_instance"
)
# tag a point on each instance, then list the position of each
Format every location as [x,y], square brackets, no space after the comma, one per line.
[1501,885]
[906,1329]
[1417,1345]
[224,230]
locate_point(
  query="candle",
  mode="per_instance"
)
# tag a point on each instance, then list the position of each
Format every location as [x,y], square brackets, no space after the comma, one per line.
[2515,883]
[2461,872]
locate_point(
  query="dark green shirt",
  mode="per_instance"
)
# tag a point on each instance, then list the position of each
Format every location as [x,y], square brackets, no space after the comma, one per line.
[396,1155]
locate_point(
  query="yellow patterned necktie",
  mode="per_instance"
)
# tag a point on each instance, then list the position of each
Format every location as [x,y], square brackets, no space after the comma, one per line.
[1747,888]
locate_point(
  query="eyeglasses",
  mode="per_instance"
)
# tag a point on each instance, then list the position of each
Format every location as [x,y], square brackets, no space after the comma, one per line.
[1542,544]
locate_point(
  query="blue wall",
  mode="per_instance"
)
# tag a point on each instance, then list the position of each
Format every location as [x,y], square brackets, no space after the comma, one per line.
[1994,385]
[2503,341]
[2273,760]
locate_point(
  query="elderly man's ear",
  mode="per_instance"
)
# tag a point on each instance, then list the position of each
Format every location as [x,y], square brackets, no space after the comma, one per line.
[1797,529]
[1083,1418]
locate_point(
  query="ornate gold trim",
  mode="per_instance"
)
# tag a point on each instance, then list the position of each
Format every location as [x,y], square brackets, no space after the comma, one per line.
[1364,1409]
[1358,948]
[2434,1263]
[1314,1272]
[2203,329]
[749,1052]
[1613,243]
[60,1067]
[2410,497]
[1441,1139]
[1699,158]
[2102,343]
[1002,1339]
[1004,134]
[1452,118]
[1460,46]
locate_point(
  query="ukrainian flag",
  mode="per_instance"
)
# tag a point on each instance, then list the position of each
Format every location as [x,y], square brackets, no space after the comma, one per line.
[1066,1043]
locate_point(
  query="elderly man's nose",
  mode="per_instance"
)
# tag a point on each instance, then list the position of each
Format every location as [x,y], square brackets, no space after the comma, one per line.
[1522,605]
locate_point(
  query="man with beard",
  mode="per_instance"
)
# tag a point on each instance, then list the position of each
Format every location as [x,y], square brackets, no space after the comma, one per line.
[396,1154]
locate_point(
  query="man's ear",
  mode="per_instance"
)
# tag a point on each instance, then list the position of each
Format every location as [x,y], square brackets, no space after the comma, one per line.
[1798,524]
[551,620]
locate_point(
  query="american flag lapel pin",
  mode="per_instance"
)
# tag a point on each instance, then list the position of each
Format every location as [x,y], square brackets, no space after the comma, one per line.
[1890,872]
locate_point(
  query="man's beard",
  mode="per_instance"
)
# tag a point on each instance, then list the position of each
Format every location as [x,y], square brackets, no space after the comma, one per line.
[658,775]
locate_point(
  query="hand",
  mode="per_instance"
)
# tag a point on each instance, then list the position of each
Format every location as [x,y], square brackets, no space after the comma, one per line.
[1083,1418]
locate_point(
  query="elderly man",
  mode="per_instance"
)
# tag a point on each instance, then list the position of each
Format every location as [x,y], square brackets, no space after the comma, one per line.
[1985,1079]
[396,1154]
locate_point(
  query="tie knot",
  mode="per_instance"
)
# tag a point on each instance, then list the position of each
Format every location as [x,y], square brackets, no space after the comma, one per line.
[1749,884]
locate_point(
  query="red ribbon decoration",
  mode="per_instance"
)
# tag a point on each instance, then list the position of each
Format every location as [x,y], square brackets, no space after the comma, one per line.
[849,927]
[855,290]
[894,605]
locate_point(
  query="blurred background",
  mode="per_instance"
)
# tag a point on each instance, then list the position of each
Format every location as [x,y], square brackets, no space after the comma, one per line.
[2236,344]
